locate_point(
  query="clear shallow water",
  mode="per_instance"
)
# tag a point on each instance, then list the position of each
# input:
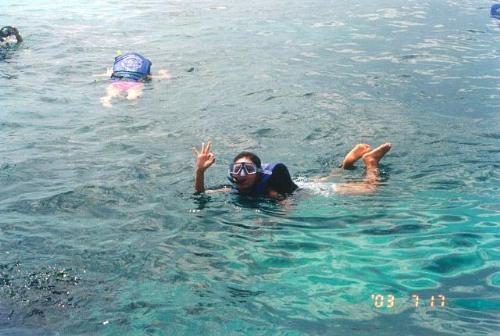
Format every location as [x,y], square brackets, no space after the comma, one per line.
[100,232]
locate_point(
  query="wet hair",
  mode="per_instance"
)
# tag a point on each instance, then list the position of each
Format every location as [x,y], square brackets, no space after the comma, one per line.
[281,181]
[254,158]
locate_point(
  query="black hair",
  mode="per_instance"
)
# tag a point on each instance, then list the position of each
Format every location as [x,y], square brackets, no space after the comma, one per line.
[281,181]
[254,158]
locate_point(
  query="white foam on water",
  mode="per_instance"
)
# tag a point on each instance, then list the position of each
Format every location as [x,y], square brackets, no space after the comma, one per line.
[316,187]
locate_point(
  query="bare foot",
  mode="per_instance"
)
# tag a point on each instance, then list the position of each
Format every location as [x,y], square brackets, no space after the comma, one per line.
[354,155]
[164,74]
[372,158]
[133,94]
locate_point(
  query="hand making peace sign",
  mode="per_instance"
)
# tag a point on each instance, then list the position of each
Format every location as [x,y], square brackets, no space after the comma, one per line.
[204,158]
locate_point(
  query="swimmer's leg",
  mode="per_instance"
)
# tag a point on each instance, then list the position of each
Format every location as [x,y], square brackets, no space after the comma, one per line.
[371,160]
[354,155]
[134,93]
[371,179]
[111,92]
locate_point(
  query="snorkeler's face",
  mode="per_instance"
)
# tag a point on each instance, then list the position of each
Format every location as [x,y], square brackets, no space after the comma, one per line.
[244,179]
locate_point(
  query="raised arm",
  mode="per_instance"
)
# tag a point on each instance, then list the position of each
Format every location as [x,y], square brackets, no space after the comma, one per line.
[162,74]
[204,159]
[108,73]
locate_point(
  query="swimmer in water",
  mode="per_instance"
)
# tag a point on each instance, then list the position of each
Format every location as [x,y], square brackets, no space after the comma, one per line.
[9,38]
[128,75]
[249,176]
[10,35]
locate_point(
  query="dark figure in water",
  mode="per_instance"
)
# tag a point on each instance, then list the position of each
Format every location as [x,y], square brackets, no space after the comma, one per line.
[9,35]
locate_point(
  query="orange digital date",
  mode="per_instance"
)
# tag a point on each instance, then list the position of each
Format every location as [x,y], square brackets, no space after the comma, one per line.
[389,301]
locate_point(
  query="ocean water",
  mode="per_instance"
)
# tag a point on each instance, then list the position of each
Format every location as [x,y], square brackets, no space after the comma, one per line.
[101,234]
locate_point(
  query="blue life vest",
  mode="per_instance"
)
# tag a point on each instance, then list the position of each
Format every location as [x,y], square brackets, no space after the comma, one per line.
[131,66]
[261,186]
[495,11]
[265,174]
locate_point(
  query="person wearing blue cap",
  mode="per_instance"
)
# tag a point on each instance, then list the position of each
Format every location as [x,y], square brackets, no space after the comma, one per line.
[250,177]
[128,75]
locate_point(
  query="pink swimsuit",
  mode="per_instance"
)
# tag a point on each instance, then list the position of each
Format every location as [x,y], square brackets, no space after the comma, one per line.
[126,85]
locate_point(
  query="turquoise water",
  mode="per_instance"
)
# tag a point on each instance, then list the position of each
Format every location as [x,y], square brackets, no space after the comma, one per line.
[100,232]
